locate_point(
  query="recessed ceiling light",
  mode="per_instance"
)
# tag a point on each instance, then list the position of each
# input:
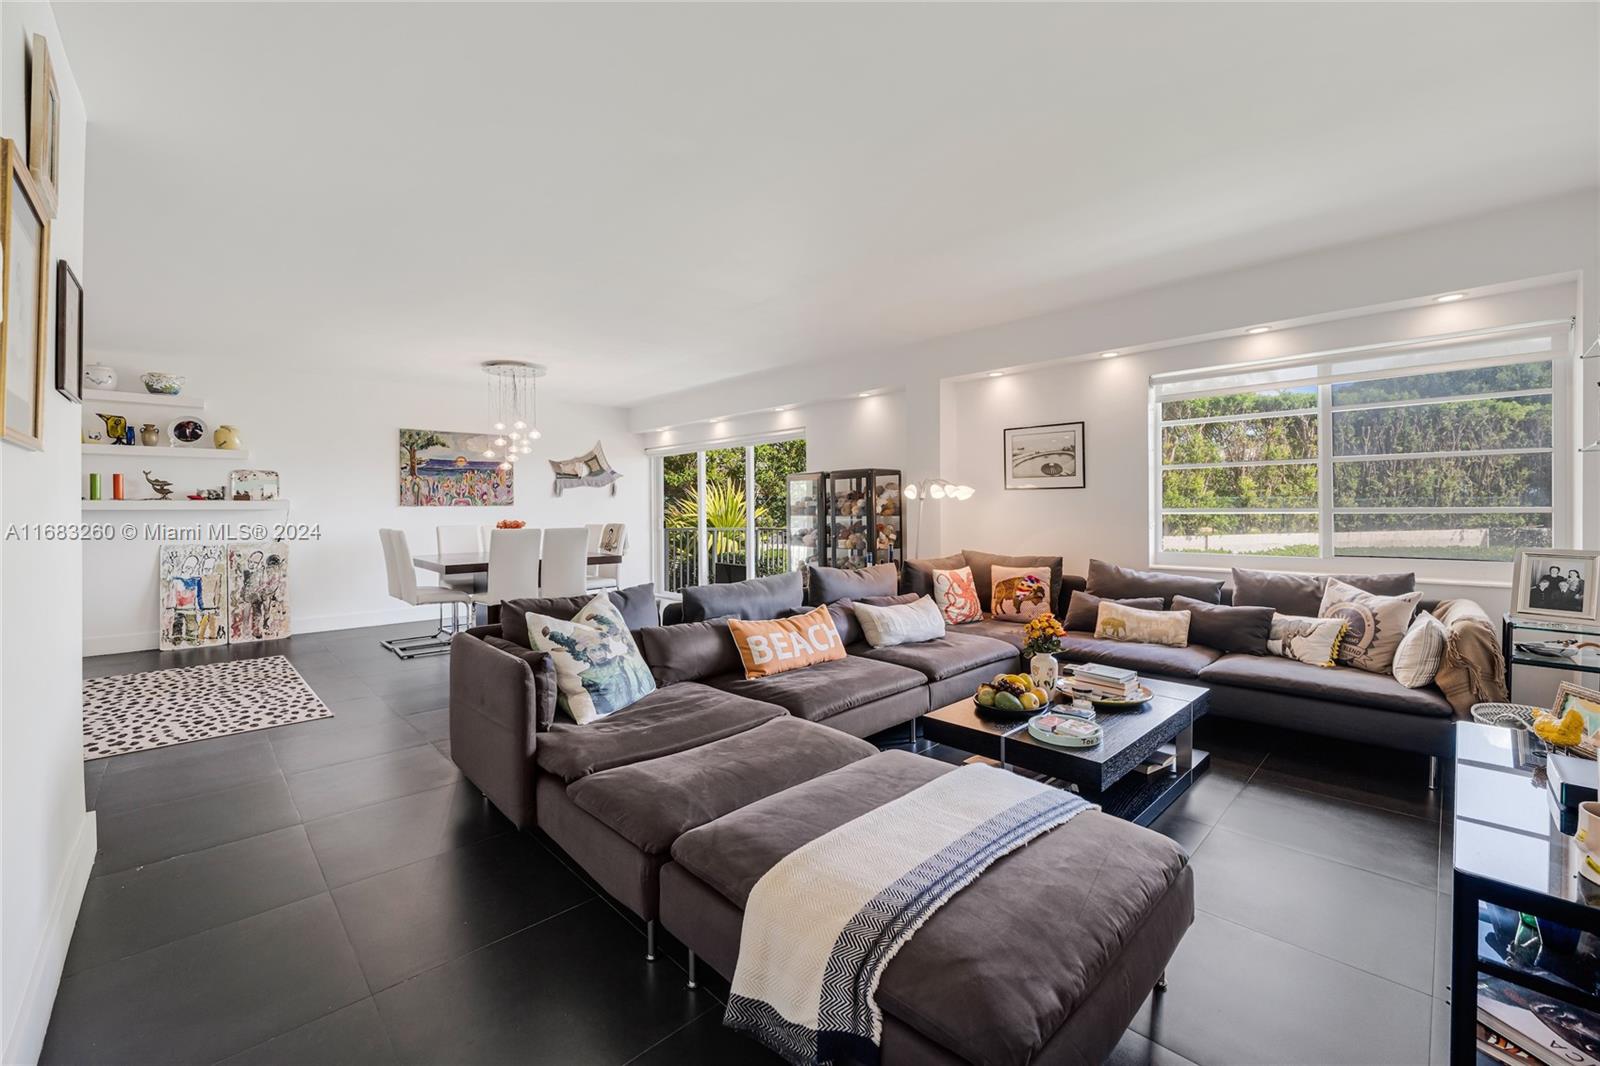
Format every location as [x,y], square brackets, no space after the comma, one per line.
[1449,297]
[864,395]
[997,373]
[1259,329]
[1109,355]
[783,407]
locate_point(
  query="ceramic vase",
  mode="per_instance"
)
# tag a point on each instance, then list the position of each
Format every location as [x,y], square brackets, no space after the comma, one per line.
[1044,670]
[99,376]
[149,435]
[226,438]
[162,384]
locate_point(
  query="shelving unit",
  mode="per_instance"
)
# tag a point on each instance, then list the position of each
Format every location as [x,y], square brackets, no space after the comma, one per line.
[185,505]
[143,399]
[165,451]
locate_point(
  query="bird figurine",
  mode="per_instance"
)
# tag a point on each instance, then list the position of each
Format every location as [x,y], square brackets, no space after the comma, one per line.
[163,487]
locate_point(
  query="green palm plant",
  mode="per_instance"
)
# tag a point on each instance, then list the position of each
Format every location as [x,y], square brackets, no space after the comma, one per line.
[725,515]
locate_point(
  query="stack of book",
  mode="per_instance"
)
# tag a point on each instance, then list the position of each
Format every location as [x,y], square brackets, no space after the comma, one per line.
[1105,682]
[1517,1026]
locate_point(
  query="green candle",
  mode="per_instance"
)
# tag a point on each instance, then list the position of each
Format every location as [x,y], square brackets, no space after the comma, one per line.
[94,486]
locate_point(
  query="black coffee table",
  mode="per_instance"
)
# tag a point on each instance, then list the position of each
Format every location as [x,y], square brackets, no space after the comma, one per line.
[1104,774]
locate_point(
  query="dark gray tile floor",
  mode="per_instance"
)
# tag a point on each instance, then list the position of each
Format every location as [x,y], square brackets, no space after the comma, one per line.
[335,892]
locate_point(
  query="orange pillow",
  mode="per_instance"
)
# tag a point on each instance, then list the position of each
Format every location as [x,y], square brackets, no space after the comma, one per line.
[786,643]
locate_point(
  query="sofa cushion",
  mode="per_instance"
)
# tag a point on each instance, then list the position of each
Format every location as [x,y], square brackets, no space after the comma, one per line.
[599,670]
[1376,624]
[918,576]
[544,678]
[1114,582]
[654,802]
[1313,641]
[1010,632]
[637,604]
[904,623]
[956,594]
[827,584]
[1132,626]
[1241,629]
[669,719]
[783,644]
[1158,659]
[954,653]
[1301,594]
[759,597]
[983,564]
[1421,652]
[1020,593]
[1337,684]
[849,626]
[819,692]
[688,651]
[1083,609]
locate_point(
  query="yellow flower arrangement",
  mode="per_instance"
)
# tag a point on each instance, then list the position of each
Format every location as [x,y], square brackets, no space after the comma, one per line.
[1042,635]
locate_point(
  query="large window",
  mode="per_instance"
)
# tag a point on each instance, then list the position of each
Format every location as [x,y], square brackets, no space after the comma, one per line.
[724,512]
[1435,454]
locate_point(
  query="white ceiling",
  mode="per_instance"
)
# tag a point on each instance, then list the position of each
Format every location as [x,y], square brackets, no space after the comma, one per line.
[649,198]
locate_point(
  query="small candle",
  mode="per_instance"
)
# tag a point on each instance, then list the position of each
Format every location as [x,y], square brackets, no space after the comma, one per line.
[94,486]
[116,487]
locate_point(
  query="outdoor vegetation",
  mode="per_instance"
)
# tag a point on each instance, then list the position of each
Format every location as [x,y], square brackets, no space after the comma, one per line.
[724,508]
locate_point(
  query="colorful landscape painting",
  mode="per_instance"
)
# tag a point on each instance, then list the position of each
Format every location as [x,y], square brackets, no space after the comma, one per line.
[194,587]
[258,592]
[440,469]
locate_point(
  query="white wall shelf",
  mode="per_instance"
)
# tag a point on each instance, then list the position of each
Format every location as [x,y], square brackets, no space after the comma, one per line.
[165,451]
[185,505]
[143,399]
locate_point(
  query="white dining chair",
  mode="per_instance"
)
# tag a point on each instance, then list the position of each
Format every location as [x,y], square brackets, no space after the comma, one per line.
[592,573]
[459,540]
[613,540]
[566,558]
[513,566]
[402,574]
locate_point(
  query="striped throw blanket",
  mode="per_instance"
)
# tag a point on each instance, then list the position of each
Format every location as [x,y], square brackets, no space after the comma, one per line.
[822,924]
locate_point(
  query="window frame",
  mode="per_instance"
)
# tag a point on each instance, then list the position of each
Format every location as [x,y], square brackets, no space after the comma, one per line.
[1560,509]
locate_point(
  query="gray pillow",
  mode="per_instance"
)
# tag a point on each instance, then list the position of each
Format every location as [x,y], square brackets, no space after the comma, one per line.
[689,651]
[1109,581]
[829,584]
[919,572]
[637,604]
[1083,609]
[544,679]
[983,564]
[849,626]
[756,598]
[1241,629]
[1301,594]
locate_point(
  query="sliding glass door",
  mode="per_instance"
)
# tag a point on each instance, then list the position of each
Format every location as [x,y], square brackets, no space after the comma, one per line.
[724,512]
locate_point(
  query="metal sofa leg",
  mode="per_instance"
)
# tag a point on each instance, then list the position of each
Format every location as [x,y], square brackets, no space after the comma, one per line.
[691,971]
[1161,982]
[650,941]
[1433,772]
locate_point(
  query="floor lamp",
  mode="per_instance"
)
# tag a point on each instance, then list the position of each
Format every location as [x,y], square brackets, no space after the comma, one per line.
[934,488]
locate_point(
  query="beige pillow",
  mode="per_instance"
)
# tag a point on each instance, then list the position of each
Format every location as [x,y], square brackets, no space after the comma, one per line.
[1416,661]
[1130,624]
[957,595]
[1306,640]
[1019,593]
[1473,671]
[1376,624]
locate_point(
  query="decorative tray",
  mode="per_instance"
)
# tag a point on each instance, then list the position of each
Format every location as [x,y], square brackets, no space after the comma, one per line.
[1064,732]
[1064,686]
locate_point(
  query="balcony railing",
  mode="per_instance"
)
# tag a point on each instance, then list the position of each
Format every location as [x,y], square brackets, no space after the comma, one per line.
[725,555]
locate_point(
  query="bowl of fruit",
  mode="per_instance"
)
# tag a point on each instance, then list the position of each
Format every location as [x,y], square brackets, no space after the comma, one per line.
[1011,696]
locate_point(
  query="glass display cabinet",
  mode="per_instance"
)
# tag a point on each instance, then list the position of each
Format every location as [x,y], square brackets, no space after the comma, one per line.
[806,533]
[863,518]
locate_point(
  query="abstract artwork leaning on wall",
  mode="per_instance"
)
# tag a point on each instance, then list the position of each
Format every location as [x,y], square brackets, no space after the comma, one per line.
[442,469]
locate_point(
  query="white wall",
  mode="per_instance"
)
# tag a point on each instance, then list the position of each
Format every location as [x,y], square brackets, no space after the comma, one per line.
[47,841]
[332,438]
[840,435]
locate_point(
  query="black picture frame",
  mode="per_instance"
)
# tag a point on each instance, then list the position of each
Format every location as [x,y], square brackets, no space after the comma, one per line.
[69,333]
[1078,480]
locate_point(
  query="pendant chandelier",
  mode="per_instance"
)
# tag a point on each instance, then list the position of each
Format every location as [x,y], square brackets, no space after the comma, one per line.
[514,407]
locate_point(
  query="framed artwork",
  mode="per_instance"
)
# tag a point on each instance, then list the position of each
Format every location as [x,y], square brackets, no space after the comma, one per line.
[25,237]
[1586,701]
[258,592]
[1556,584]
[1045,457]
[252,484]
[69,333]
[44,125]
[186,431]
[444,469]
[194,589]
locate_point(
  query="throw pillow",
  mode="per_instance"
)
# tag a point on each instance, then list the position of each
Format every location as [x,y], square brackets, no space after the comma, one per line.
[1301,594]
[830,584]
[1019,593]
[1377,624]
[957,595]
[688,651]
[1133,626]
[983,564]
[909,623]
[1083,609]
[773,647]
[1416,661]
[1474,670]
[919,572]
[1241,629]
[637,604]
[757,597]
[598,667]
[1109,581]
[844,614]
[1306,640]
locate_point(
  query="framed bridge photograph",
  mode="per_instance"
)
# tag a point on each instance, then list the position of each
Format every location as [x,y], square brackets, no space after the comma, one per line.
[1045,457]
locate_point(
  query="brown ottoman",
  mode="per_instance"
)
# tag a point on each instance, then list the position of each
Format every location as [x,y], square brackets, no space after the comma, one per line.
[995,976]
[620,824]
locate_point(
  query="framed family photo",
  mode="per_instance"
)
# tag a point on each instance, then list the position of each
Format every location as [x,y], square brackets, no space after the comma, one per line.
[1045,457]
[1556,584]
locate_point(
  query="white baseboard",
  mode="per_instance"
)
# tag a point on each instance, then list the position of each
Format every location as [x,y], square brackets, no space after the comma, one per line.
[25,1038]
[113,643]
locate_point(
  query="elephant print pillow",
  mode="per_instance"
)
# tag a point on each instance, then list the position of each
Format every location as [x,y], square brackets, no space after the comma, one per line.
[1135,626]
[1020,593]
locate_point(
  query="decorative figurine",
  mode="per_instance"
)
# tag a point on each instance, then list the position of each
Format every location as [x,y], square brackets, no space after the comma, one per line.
[116,428]
[163,487]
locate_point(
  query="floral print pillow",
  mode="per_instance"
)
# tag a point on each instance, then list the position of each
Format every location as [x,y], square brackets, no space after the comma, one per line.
[598,667]
[956,593]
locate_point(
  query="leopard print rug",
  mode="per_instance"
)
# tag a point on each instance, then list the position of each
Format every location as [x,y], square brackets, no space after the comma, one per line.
[157,708]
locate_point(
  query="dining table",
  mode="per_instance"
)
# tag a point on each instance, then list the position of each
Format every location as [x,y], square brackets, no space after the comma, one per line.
[457,564]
